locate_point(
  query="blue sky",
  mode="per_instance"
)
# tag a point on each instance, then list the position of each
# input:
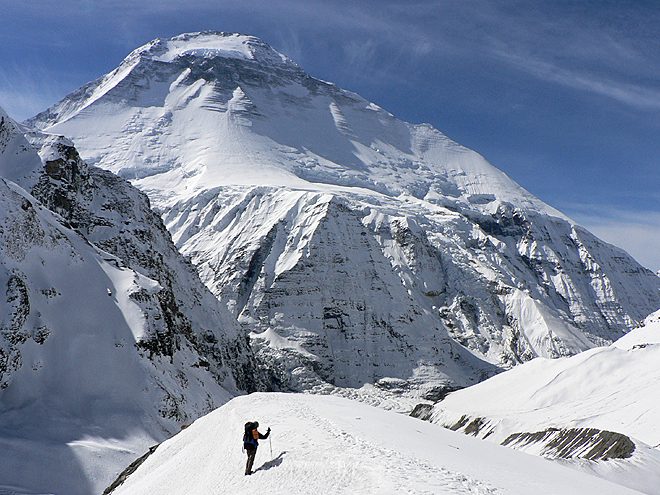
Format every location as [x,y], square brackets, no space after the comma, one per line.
[564,96]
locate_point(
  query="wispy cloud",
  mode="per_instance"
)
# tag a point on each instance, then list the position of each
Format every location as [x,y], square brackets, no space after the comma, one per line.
[637,95]
[608,51]
[26,91]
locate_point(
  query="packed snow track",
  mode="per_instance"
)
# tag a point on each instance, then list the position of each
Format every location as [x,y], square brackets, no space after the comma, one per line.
[331,445]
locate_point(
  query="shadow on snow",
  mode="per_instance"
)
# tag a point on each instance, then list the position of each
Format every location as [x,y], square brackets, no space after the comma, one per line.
[272,463]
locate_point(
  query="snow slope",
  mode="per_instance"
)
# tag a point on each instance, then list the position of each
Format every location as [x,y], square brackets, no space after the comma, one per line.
[611,388]
[324,444]
[103,352]
[318,216]
[70,377]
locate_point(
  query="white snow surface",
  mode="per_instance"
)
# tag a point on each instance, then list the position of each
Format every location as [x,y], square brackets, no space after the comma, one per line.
[87,381]
[612,388]
[211,44]
[319,215]
[648,334]
[330,445]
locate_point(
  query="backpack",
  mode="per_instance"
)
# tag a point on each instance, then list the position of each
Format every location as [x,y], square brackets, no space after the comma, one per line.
[249,442]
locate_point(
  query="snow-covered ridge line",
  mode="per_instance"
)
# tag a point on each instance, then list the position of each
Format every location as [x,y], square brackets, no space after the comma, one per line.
[324,444]
[210,44]
[599,405]
[427,258]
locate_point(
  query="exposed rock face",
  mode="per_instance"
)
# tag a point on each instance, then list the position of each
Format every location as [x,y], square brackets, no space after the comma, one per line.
[117,218]
[108,339]
[342,276]
[359,247]
[592,444]
[132,467]
[317,277]
[587,443]
[21,230]
[69,369]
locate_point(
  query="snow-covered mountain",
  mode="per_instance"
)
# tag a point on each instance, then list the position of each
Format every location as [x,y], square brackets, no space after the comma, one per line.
[324,444]
[109,341]
[356,247]
[597,410]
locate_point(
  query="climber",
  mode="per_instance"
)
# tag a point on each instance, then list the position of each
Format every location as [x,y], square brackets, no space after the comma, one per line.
[250,443]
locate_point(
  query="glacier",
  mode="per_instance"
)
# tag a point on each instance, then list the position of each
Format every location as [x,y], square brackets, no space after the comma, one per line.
[371,250]
[288,235]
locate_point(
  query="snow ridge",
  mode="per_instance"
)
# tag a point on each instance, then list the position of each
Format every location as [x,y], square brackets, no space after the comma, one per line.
[317,215]
[569,408]
[332,445]
[109,341]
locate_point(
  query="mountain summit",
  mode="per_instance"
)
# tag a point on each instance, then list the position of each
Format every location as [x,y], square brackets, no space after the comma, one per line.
[238,112]
[213,44]
[356,248]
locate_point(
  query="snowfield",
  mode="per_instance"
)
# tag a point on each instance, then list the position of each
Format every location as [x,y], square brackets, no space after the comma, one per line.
[304,240]
[330,445]
[612,388]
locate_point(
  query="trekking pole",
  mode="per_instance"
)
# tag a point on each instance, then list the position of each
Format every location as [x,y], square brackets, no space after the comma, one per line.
[270,441]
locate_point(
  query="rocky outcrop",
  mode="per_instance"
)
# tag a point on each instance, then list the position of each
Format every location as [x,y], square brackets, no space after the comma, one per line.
[117,218]
[575,443]
[372,248]
[592,444]
[21,231]
[132,467]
